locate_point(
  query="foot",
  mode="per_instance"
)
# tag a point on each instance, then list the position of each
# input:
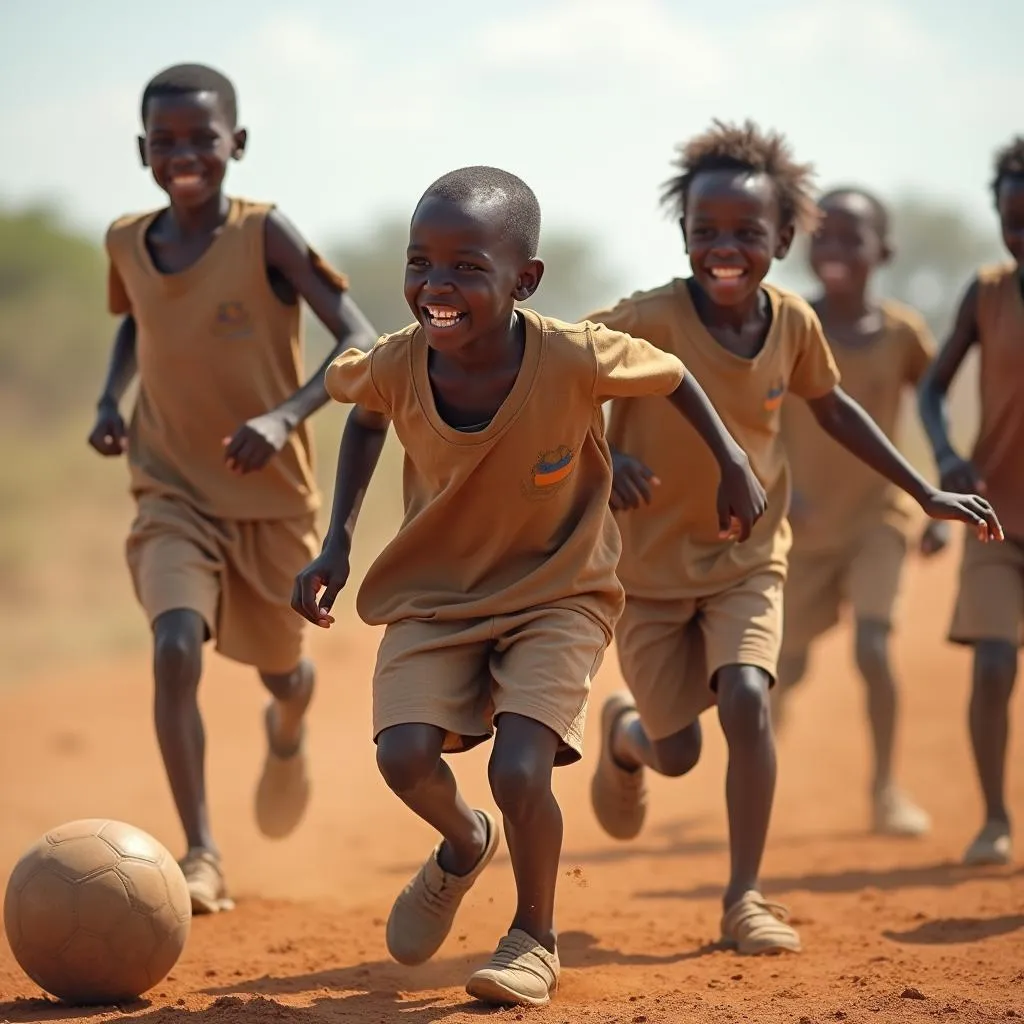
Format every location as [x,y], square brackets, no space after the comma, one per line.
[425,909]
[753,926]
[993,845]
[895,814]
[282,793]
[520,973]
[205,879]
[618,795]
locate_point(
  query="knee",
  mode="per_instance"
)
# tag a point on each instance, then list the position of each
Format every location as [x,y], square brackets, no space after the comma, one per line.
[871,650]
[995,671]
[177,652]
[406,758]
[678,754]
[285,685]
[519,783]
[743,703]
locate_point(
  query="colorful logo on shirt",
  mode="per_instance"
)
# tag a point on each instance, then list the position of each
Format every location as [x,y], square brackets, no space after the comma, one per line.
[776,393]
[232,320]
[550,472]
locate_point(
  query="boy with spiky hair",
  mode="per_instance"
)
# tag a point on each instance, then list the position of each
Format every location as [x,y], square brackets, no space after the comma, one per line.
[702,623]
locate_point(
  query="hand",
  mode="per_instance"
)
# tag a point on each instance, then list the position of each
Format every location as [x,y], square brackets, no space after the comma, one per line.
[935,538]
[966,508]
[328,572]
[959,476]
[256,443]
[741,499]
[631,482]
[109,436]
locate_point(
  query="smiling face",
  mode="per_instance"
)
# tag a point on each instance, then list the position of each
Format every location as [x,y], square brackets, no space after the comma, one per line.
[462,275]
[1011,216]
[848,245]
[732,233]
[187,146]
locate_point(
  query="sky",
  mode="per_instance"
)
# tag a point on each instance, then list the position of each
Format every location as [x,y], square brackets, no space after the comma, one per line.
[354,108]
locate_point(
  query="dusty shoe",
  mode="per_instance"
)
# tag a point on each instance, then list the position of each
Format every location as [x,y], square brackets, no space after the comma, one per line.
[993,845]
[205,880]
[895,814]
[520,973]
[425,909]
[753,926]
[282,793]
[618,795]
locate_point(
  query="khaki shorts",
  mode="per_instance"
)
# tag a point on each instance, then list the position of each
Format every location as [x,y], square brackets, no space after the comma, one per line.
[990,601]
[669,651]
[460,676]
[238,575]
[866,575]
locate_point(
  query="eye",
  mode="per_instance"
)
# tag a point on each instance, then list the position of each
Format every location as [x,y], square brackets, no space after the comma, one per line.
[419,262]
[463,265]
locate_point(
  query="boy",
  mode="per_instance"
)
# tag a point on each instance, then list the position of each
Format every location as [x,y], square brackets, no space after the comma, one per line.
[219,451]
[499,592]
[703,616]
[990,604]
[850,525]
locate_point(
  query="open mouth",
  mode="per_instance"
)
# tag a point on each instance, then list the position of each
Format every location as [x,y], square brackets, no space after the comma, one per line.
[833,273]
[186,182]
[443,317]
[727,274]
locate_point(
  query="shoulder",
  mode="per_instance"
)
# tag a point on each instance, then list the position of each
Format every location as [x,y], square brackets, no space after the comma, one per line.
[127,227]
[391,351]
[995,276]
[654,304]
[796,316]
[904,319]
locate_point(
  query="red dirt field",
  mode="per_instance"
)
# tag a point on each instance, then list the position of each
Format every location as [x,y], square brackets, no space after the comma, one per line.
[893,930]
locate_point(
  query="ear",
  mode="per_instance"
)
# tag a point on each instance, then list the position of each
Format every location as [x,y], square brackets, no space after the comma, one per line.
[241,138]
[142,151]
[887,253]
[785,242]
[528,280]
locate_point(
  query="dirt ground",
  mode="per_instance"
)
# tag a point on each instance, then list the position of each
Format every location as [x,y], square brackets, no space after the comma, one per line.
[893,930]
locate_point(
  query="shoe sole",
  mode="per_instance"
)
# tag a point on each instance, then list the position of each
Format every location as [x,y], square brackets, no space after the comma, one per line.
[203,906]
[489,990]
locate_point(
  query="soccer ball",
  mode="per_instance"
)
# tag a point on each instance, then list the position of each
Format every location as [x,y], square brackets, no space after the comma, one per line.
[97,912]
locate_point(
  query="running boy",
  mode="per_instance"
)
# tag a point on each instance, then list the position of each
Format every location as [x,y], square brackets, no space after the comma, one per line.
[703,618]
[499,592]
[990,604]
[850,526]
[219,450]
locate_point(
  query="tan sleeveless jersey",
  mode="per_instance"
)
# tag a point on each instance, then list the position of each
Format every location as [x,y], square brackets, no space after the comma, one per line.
[216,347]
[999,450]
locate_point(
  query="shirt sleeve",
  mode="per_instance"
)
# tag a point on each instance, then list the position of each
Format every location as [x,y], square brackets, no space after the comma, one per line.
[118,302]
[920,351]
[350,379]
[814,372]
[629,367]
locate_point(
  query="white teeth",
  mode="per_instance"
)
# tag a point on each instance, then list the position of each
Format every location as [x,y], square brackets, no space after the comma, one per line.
[443,313]
[727,273]
[186,179]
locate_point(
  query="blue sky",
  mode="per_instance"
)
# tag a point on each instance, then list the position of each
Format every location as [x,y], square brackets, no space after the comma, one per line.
[354,108]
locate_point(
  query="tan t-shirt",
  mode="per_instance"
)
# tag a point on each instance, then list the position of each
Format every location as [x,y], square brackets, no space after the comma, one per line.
[514,515]
[671,547]
[844,497]
[215,347]
[999,449]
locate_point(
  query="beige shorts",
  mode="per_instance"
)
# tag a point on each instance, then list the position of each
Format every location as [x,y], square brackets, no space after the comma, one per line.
[669,651]
[238,575]
[460,676]
[866,575]
[990,600]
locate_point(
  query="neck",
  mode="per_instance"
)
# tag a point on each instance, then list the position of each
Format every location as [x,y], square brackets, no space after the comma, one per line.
[204,219]
[844,308]
[713,315]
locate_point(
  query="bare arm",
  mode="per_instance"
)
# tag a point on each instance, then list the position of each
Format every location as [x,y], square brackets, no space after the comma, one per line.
[108,436]
[954,471]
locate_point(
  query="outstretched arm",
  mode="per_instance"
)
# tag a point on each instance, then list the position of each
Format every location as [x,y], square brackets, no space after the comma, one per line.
[325,292]
[842,418]
[361,444]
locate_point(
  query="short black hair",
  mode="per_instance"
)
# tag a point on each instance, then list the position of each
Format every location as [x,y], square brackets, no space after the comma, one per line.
[745,147]
[185,79]
[878,209]
[1009,163]
[522,211]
